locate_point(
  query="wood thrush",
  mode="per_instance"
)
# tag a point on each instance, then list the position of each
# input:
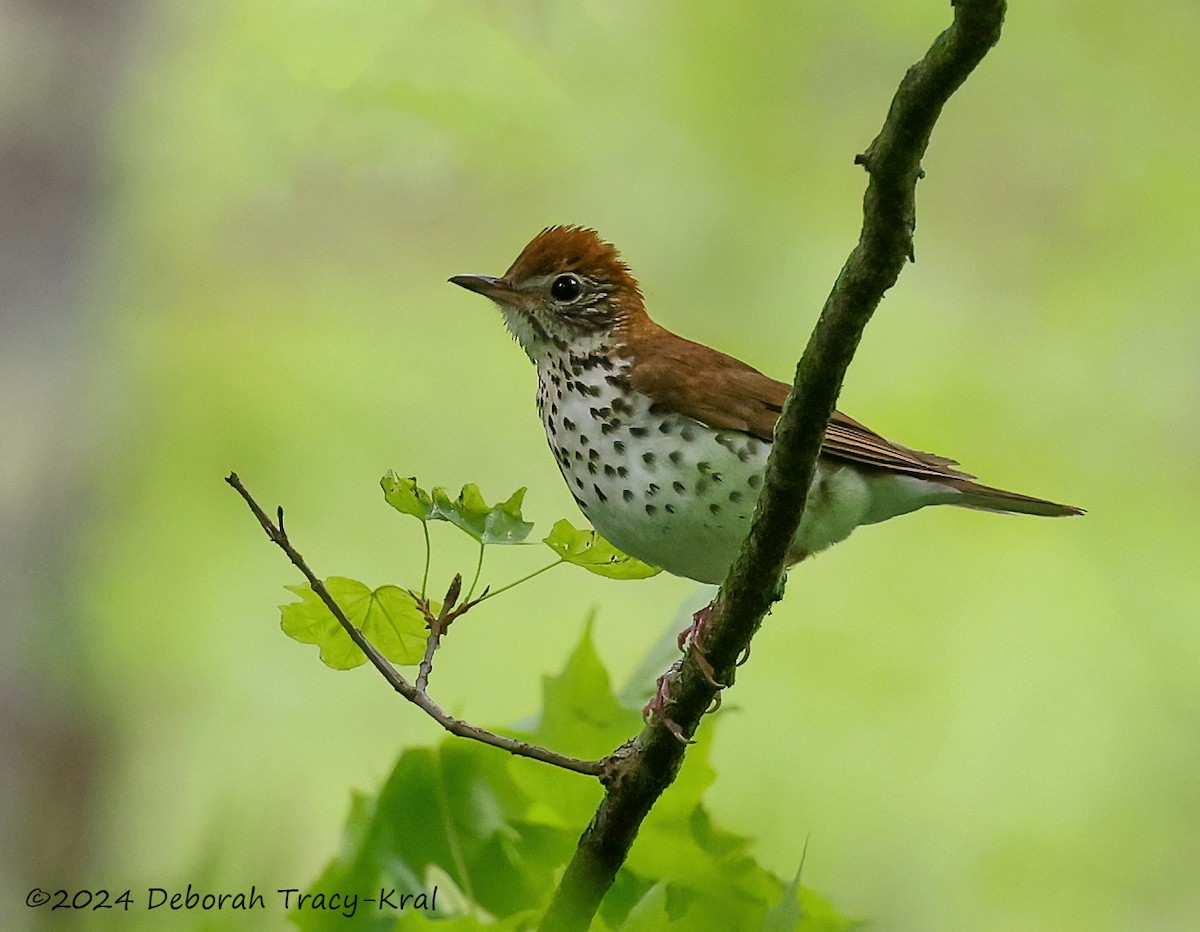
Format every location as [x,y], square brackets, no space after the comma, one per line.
[663,442]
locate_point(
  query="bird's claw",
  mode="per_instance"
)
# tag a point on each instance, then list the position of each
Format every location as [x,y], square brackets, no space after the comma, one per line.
[702,663]
[653,713]
[689,641]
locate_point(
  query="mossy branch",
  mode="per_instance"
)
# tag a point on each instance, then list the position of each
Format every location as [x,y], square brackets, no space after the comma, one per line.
[893,163]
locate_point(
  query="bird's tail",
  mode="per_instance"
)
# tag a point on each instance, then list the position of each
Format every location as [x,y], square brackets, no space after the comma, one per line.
[985,498]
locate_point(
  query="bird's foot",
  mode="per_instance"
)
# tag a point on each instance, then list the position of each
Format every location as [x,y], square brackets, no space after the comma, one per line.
[689,639]
[653,713]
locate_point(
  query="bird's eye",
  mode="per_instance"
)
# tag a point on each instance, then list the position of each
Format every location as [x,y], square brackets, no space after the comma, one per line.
[566,288]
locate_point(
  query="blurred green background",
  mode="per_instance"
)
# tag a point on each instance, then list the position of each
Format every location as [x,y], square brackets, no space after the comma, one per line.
[225,237]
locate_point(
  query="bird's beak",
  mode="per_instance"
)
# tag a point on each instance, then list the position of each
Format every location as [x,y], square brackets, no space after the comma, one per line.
[495,288]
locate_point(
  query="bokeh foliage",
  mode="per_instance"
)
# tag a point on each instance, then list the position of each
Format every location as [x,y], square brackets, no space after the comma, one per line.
[491,834]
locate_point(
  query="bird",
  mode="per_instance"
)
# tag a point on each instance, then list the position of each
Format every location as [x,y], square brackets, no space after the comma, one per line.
[663,441]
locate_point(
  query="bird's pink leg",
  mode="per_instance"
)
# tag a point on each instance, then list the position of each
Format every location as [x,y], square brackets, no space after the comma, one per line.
[653,711]
[689,639]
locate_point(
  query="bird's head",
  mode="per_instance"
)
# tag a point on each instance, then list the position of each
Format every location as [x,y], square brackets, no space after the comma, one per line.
[568,289]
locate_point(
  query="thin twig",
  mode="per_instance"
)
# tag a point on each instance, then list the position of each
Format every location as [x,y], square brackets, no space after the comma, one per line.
[893,164]
[395,679]
[437,627]
[428,556]
[478,570]
[490,593]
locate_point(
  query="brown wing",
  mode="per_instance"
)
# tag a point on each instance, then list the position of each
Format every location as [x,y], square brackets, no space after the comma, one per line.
[727,394]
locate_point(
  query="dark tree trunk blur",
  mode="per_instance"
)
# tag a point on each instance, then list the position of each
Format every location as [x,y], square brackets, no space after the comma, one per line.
[64,61]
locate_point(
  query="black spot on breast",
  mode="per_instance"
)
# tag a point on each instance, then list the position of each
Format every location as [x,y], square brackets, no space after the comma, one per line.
[670,509]
[652,489]
[675,457]
[658,410]
[592,468]
[715,508]
[638,431]
[609,471]
[599,494]
[679,487]
[651,510]
[593,454]
[755,480]
[688,433]
[579,483]
[569,424]
[664,427]
[619,446]
[648,457]
[627,495]
[701,486]
[622,472]
[735,496]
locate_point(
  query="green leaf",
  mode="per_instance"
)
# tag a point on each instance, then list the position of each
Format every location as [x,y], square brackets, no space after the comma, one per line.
[649,914]
[493,832]
[581,717]
[387,616]
[406,496]
[819,915]
[450,818]
[580,714]
[596,555]
[488,524]
[804,910]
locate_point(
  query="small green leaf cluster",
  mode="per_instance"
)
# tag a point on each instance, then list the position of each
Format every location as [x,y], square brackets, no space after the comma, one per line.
[504,524]
[488,524]
[492,833]
[394,618]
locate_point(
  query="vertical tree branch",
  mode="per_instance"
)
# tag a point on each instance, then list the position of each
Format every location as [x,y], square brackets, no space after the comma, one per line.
[893,163]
